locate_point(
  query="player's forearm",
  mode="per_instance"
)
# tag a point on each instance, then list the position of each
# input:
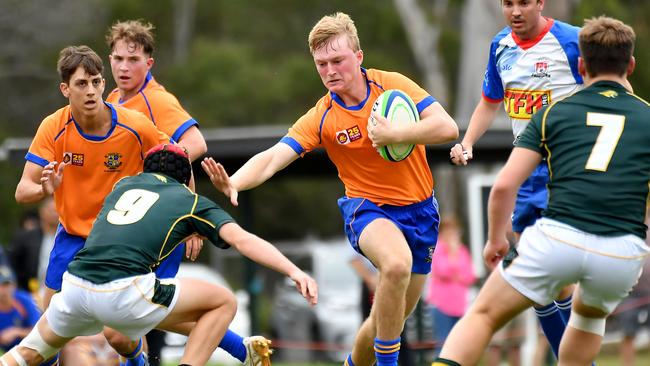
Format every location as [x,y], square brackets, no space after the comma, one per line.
[29,192]
[500,206]
[263,166]
[436,127]
[482,118]
[264,253]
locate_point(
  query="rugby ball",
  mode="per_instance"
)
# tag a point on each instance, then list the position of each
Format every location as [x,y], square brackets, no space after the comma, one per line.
[397,107]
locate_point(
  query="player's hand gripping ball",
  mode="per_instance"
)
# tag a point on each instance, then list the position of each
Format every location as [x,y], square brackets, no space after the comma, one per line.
[397,107]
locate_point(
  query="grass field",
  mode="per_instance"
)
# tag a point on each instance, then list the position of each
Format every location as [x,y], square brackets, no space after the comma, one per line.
[606,358]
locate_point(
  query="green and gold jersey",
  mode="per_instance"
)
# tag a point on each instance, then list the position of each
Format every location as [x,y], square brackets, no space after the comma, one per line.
[597,145]
[143,219]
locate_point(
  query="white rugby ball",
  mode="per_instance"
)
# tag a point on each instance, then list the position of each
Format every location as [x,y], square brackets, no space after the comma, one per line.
[397,107]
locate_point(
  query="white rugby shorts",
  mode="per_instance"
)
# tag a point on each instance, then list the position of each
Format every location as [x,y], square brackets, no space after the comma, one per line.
[84,308]
[553,254]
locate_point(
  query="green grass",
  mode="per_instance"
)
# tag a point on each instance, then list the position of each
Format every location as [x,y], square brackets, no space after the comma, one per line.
[608,357]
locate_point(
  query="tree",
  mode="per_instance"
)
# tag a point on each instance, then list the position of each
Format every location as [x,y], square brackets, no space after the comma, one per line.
[424,36]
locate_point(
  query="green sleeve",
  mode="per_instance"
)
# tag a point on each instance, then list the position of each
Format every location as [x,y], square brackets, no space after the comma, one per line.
[531,138]
[208,218]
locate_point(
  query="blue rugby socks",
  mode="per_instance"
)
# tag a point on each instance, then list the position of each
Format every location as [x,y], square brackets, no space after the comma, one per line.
[52,361]
[386,352]
[565,308]
[552,324]
[233,343]
[135,358]
[348,361]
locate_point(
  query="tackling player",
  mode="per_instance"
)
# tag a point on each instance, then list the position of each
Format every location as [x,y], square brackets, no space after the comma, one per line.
[111,283]
[132,47]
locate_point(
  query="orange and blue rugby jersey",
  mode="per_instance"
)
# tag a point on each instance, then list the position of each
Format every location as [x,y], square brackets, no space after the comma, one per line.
[342,131]
[159,105]
[95,162]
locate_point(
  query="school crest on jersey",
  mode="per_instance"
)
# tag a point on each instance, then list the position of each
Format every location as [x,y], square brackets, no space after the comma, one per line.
[113,161]
[541,69]
[73,158]
[348,135]
[429,257]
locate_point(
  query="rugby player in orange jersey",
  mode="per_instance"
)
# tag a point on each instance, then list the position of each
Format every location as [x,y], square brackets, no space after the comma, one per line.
[390,213]
[79,152]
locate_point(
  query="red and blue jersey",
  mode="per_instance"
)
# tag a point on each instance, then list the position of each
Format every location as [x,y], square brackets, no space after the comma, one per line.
[528,75]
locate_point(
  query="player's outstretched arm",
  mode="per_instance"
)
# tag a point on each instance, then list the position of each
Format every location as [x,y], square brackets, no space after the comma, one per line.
[481,120]
[264,253]
[38,182]
[254,172]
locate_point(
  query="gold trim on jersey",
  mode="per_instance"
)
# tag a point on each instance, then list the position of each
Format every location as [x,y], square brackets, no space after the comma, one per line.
[544,144]
[639,98]
[578,246]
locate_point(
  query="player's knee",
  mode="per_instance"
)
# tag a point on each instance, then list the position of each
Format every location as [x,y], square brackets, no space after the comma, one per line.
[32,350]
[395,270]
[230,305]
[589,325]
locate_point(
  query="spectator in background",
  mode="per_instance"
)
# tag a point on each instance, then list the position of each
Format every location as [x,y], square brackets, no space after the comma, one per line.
[28,220]
[18,311]
[29,250]
[452,275]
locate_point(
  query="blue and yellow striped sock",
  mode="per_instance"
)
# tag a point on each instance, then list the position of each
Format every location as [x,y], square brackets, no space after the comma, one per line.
[386,352]
[348,361]
[135,358]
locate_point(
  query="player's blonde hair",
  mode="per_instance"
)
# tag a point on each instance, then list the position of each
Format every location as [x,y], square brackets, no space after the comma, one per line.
[331,26]
[73,57]
[135,31]
[606,45]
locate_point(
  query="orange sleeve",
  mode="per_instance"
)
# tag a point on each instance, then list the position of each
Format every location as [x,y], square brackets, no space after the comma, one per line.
[168,114]
[41,151]
[305,134]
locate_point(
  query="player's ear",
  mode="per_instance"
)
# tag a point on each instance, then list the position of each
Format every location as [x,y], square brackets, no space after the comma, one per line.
[631,66]
[360,56]
[582,70]
[150,62]
[65,89]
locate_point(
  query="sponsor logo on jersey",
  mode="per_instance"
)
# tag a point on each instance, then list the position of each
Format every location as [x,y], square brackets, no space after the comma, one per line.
[73,158]
[112,161]
[541,70]
[609,94]
[522,104]
[348,135]
[506,67]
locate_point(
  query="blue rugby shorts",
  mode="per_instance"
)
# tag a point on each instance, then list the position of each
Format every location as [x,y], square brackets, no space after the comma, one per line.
[418,222]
